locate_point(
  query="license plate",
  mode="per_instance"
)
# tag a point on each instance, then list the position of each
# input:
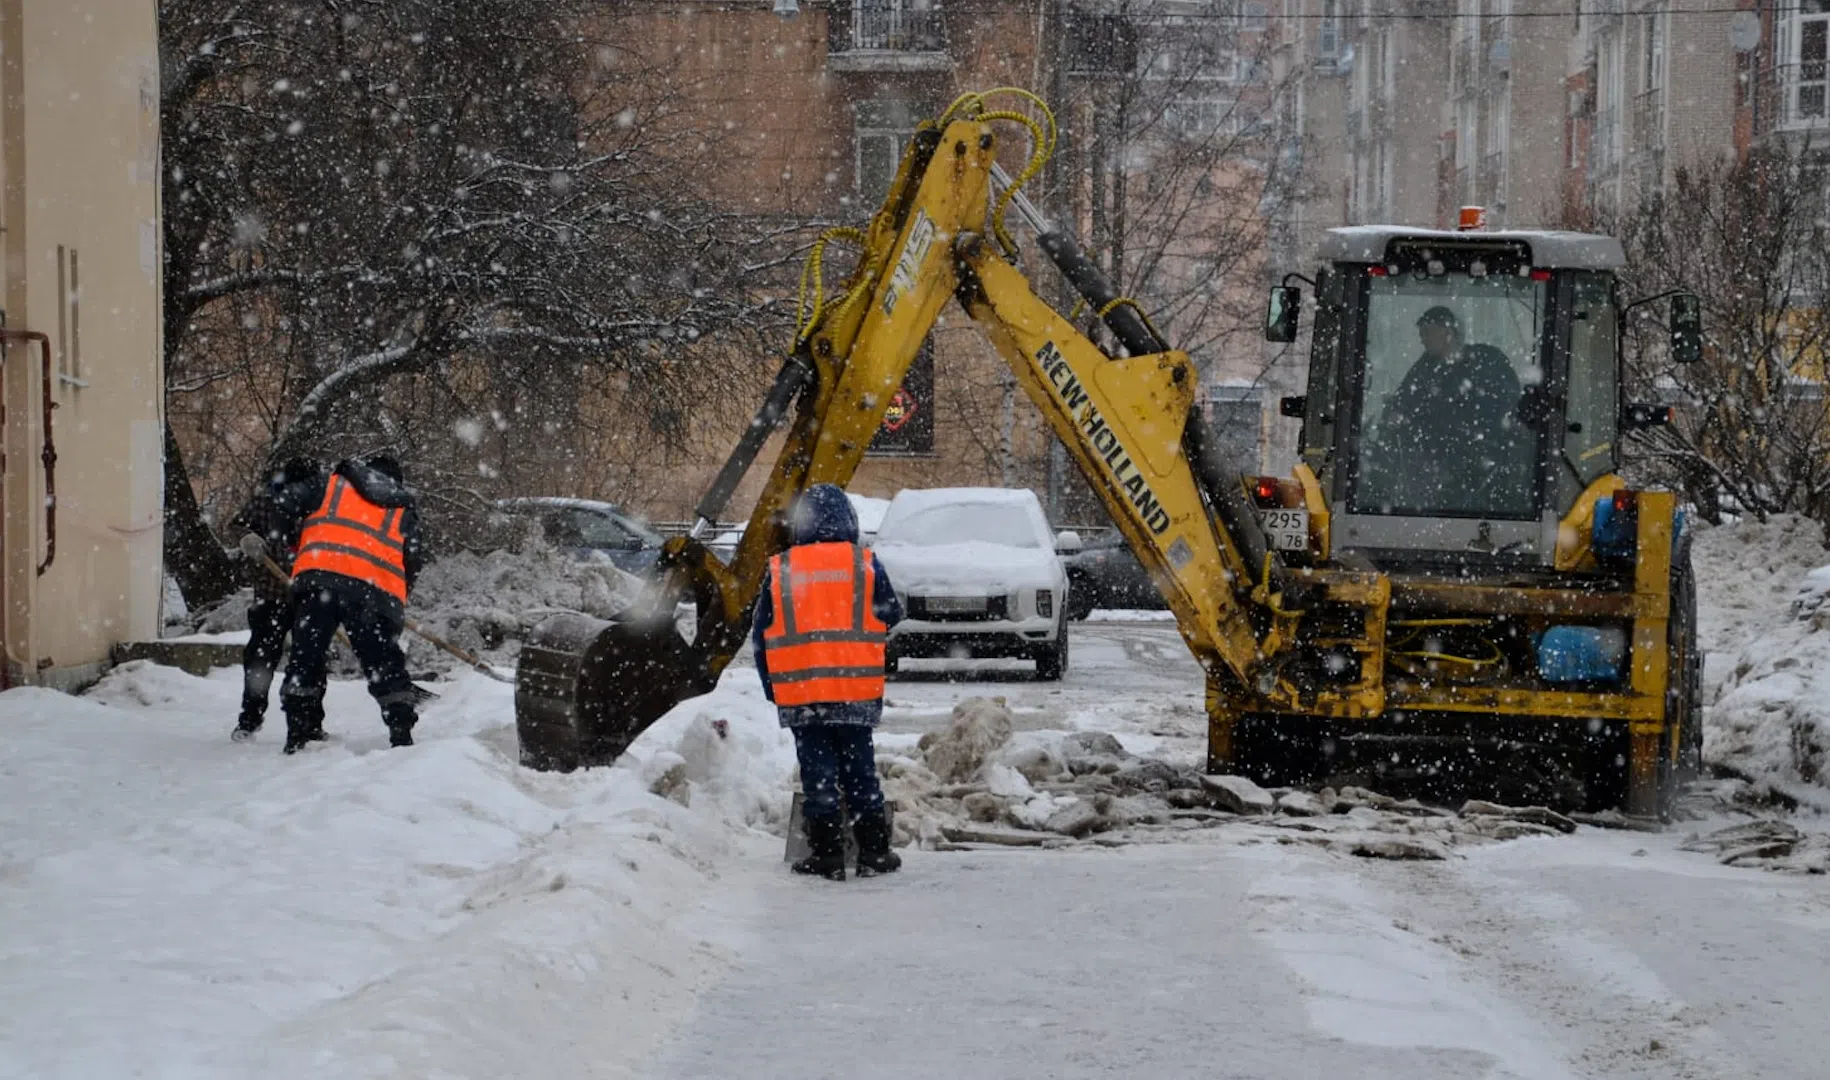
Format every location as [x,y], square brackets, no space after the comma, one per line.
[954,604]
[1288,530]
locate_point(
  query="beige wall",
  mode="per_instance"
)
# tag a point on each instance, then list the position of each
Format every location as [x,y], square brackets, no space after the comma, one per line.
[80,137]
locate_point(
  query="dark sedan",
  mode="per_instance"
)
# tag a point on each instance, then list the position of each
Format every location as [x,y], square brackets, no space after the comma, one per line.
[1105,575]
[589,529]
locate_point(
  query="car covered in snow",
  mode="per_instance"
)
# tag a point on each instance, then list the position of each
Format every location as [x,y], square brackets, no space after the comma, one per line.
[978,575]
[589,530]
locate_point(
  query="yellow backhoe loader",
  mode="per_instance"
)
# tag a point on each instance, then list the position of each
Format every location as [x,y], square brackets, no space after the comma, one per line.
[1453,593]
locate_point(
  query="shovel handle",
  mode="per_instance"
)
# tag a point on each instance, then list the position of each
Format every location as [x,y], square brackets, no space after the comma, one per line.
[475,662]
[251,544]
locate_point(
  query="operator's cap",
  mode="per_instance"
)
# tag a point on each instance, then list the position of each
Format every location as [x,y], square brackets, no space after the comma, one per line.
[1439,316]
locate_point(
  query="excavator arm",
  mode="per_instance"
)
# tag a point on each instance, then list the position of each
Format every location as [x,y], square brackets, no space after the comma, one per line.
[1127,421]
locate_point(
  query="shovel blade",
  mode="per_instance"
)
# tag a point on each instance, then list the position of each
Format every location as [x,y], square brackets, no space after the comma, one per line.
[585,687]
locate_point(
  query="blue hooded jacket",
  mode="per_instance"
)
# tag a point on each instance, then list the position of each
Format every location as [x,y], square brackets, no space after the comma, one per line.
[823,515]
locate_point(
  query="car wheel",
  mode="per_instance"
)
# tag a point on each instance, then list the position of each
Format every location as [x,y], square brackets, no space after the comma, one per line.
[1052,661]
[1080,598]
[892,662]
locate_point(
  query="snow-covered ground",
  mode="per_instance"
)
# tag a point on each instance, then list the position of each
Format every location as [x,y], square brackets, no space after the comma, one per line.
[175,905]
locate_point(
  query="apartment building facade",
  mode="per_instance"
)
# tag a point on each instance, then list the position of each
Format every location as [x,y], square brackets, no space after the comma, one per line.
[1541,111]
[816,99]
[81,477]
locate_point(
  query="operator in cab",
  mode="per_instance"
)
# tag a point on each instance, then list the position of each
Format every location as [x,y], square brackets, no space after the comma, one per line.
[1455,398]
[823,618]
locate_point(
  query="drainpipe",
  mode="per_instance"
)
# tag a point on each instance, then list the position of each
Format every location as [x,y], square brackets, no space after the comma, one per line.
[49,455]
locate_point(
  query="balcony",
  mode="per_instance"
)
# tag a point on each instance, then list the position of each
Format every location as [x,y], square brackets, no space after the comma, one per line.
[886,36]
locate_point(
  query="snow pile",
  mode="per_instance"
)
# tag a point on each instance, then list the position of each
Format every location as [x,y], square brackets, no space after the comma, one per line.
[488,603]
[977,784]
[483,603]
[978,727]
[1764,619]
[1767,844]
[179,905]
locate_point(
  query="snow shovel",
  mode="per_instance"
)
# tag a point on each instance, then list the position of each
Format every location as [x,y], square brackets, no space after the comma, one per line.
[254,548]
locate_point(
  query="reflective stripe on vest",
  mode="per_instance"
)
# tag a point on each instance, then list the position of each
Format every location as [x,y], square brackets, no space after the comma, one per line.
[825,643]
[352,536]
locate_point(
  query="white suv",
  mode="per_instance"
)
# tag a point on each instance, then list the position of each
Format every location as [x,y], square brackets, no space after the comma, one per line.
[978,575]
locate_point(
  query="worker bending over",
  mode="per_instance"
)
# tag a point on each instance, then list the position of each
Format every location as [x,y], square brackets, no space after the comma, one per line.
[822,618]
[270,615]
[358,556]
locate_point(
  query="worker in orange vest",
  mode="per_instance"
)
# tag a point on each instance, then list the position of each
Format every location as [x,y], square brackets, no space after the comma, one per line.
[358,555]
[822,619]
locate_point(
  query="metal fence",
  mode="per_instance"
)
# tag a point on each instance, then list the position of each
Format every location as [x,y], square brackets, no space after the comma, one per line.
[887,26]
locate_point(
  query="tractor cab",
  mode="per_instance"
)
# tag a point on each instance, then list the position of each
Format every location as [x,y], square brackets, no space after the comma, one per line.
[1464,389]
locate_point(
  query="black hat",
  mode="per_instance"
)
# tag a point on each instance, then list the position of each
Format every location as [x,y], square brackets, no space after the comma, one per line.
[1440,316]
[387,465]
[301,468]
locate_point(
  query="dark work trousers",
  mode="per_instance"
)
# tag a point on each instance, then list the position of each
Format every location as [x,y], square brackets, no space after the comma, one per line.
[269,621]
[837,758]
[322,601]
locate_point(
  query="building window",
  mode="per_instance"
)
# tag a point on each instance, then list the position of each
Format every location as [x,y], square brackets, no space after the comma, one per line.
[1256,18]
[1099,44]
[1329,34]
[1804,49]
[1201,119]
[1604,151]
[69,317]
[1187,51]
[883,130]
[1652,64]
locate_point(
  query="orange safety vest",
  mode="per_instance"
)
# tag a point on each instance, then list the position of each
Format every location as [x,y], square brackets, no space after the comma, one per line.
[825,643]
[350,535]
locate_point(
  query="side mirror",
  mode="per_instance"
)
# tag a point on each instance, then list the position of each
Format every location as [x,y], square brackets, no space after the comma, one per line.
[632,543]
[1641,417]
[1293,406]
[1067,542]
[1686,329]
[1282,313]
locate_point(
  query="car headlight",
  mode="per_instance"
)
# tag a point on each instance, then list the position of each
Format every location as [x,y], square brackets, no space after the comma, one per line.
[1045,603]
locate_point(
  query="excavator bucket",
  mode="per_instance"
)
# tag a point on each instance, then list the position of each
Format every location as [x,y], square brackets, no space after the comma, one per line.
[585,688]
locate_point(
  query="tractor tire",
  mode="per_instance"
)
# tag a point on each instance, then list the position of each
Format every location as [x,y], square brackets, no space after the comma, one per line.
[1052,659]
[1082,597]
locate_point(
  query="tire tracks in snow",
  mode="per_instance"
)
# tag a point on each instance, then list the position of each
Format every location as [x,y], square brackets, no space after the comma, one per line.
[1615,1017]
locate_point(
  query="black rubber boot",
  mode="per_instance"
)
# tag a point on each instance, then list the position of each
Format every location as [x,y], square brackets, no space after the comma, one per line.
[874,854]
[248,723]
[400,720]
[304,724]
[826,838]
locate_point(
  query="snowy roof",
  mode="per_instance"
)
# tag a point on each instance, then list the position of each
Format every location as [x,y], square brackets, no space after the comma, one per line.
[1573,250]
[555,502]
[870,511]
[911,499]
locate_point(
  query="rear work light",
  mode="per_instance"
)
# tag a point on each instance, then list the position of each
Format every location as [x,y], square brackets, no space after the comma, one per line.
[1045,602]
